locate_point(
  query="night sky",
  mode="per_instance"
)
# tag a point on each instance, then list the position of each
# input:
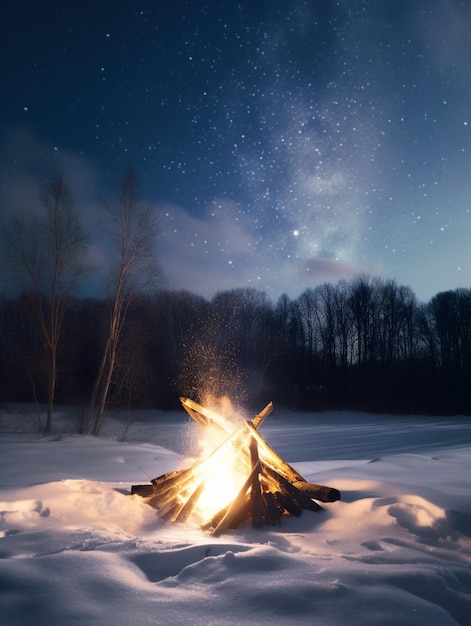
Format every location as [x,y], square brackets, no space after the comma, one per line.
[284,143]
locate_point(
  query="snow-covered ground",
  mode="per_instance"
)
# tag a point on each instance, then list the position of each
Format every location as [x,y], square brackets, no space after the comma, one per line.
[77,549]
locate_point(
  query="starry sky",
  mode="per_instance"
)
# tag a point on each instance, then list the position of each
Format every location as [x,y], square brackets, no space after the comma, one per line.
[283,143]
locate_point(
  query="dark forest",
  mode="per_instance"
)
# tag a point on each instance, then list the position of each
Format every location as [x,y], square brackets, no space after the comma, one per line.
[364,344]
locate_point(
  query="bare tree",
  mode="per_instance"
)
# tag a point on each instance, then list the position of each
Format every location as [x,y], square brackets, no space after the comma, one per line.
[133,229]
[45,253]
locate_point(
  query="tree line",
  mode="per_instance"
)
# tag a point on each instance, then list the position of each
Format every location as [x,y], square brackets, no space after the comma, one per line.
[45,253]
[365,343]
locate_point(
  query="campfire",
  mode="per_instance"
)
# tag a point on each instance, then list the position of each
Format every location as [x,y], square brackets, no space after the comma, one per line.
[242,479]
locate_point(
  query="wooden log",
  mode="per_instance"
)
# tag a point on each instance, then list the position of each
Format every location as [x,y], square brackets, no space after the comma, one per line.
[318,492]
[166,487]
[168,476]
[162,502]
[258,419]
[290,490]
[170,509]
[276,462]
[255,488]
[271,458]
[205,417]
[204,422]
[287,504]
[166,491]
[272,512]
[242,516]
[142,490]
[172,480]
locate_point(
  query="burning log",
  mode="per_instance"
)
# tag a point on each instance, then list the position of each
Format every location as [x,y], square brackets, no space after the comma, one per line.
[271,488]
[255,486]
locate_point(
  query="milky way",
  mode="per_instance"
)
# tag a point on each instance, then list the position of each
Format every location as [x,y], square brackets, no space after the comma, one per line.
[283,144]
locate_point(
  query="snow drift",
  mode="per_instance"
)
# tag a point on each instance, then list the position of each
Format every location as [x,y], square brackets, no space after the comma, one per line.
[77,549]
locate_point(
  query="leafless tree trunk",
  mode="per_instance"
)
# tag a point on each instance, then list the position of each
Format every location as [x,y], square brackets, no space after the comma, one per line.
[45,254]
[133,229]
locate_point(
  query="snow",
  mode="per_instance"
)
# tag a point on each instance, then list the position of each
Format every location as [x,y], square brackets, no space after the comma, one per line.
[77,549]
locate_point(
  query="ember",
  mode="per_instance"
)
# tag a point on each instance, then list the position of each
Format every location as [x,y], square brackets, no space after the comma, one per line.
[242,479]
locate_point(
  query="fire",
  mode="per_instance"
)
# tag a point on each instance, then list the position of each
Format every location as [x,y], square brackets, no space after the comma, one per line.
[221,485]
[223,472]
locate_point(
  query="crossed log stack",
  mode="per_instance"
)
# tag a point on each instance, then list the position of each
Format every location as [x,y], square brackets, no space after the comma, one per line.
[272,487]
